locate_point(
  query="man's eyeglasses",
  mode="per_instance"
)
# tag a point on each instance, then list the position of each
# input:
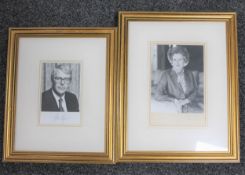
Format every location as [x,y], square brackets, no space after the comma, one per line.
[59,79]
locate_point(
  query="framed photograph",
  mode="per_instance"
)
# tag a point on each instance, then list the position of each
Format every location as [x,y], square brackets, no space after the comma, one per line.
[60,95]
[173,79]
[178,87]
[56,109]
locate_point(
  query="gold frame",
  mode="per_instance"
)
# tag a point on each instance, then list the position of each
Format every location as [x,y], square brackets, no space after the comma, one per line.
[10,155]
[233,153]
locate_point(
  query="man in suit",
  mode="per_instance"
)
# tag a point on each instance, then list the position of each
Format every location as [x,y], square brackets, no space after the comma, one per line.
[57,98]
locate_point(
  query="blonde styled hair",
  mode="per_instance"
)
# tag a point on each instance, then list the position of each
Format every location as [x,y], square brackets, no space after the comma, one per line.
[178,49]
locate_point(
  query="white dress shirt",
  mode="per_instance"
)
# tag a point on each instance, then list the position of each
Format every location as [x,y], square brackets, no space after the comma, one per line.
[63,103]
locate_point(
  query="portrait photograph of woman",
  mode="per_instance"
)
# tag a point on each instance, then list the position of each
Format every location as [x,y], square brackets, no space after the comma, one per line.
[177,78]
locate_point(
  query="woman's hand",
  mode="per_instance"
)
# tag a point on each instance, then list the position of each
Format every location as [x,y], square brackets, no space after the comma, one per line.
[180,103]
[184,102]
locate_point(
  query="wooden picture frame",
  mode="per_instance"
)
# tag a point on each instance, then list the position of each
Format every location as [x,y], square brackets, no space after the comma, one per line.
[151,42]
[56,59]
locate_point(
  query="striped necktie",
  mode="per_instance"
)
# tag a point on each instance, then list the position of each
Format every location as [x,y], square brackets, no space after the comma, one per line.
[60,105]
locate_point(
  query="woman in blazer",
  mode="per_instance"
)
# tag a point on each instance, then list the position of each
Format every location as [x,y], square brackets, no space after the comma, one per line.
[177,84]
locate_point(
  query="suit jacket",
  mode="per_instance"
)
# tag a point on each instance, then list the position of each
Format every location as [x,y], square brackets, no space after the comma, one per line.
[169,89]
[49,103]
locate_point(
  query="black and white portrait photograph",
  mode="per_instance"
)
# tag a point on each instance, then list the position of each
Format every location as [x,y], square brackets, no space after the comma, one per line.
[177,78]
[60,93]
